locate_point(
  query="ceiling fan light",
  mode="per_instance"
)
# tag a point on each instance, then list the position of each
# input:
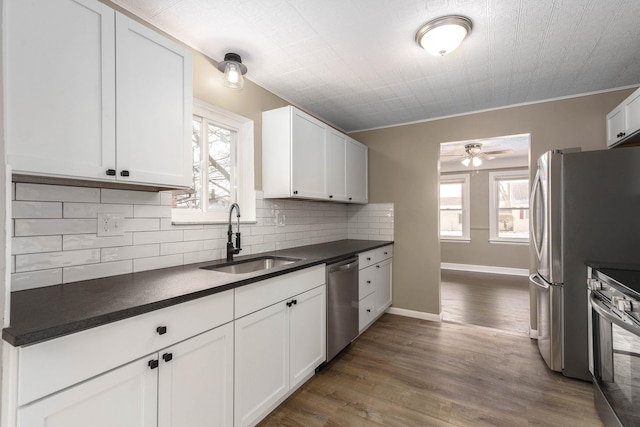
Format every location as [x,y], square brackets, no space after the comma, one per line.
[477,161]
[443,35]
[466,162]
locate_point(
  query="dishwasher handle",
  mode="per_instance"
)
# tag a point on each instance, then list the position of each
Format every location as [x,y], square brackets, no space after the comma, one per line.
[343,265]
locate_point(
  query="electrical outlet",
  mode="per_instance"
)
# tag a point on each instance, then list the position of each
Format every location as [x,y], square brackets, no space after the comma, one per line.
[110,224]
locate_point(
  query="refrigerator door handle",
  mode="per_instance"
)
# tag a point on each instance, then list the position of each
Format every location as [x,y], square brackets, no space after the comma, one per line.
[538,281]
[532,204]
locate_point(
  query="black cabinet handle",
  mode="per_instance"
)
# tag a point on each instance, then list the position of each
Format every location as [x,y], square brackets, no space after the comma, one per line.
[350,198]
[124,173]
[368,281]
[386,253]
[331,196]
[153,364]
[368,310]
[111,172]
[295,301]
[167,357]
[161,330]
[295,191]
[289,303]
[377,266]
[368,258]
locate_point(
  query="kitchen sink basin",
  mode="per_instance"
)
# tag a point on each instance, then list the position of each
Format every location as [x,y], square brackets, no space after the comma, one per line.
[252,265]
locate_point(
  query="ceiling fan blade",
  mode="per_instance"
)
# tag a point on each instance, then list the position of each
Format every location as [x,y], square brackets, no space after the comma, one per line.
[509,150]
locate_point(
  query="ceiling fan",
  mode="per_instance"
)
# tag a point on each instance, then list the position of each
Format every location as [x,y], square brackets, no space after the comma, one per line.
[473,154]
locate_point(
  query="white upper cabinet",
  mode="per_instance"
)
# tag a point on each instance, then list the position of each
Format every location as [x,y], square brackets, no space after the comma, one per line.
[336,166]
[60,87]
[623,122]
[357,172]
[91,94]
[304,158]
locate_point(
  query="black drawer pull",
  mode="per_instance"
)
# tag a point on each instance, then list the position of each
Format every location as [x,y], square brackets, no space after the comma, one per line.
[295,191]
[161,330]
[111,172]
[153,364]
[368,258]
[331,196]
[124,173]
[167,357]
[289,303]
[350,198]
[368,281]
[377,266]
[368,310]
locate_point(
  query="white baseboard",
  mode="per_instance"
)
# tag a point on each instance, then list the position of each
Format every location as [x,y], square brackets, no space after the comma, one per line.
[415,314]
[485,269]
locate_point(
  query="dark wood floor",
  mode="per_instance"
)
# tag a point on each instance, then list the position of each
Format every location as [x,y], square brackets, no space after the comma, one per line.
[482,299]
[410,372]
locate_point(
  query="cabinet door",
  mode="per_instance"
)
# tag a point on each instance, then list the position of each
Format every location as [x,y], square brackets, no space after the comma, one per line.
[357,172]
[262,362]
[367,311]
[60,87]
[308,157]
[308,337]
[615,125]
[124,397]
[632,112]
[154,103]
[336,166]
[383,286]
[196,381]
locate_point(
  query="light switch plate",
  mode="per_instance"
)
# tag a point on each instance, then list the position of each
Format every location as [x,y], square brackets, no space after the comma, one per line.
[110,224]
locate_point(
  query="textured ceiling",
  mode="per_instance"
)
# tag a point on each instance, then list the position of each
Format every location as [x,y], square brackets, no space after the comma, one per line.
[355,64]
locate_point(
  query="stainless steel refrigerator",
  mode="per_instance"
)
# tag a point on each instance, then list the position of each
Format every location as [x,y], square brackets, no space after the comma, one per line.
[585,206]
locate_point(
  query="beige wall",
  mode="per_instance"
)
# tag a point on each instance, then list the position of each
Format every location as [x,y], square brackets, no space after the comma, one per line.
[403,169]
[479,251]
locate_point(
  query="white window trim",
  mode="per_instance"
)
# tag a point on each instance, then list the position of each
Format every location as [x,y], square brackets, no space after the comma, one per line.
[245,181]
[466,207]
[494,177]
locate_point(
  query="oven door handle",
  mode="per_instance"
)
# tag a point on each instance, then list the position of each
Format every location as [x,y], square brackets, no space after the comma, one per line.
[538,281]
[597,306]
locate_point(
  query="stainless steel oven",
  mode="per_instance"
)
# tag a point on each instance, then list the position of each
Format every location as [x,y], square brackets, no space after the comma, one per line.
[614,343]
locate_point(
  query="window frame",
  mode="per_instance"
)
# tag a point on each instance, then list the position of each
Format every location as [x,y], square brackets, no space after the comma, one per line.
[466,206]
[494,204]
[244,175]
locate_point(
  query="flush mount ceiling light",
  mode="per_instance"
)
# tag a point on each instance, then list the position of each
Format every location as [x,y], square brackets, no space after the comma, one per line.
[233,70]
[443,35]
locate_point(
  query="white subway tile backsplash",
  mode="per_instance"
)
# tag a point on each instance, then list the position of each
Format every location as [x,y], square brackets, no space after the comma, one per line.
[21,209]
[90,210]
[36,279]
[49,260]
[146,237]
[193,257]
[151,211]
[66,248]
[94,271]
[35,244]
[129,252]
[180,247]
[141,224]
[88,241]
[49,227]
[144,264]
[56,193]
[129,197]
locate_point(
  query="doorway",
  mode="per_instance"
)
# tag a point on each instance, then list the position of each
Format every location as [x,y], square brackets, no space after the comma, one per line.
[484,237]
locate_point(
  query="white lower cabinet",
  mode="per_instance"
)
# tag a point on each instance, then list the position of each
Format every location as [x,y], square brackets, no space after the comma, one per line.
[124,397]
[375,284]
[277,349]
[188,384]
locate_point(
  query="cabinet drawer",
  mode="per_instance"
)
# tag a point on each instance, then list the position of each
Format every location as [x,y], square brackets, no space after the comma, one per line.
[262,294]
[366,282]
[365,259]
[367,311]
[73,358]
[384,253]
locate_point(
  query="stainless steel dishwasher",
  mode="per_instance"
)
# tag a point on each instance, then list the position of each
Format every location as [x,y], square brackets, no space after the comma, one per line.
[342,305]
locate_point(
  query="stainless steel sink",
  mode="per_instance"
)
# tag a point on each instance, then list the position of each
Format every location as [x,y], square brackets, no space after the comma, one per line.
[252,265]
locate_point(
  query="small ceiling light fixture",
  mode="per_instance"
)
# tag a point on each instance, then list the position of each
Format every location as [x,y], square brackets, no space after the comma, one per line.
[233,70]
[443,35]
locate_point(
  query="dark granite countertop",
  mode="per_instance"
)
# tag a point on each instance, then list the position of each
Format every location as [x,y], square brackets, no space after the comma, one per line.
[53,311]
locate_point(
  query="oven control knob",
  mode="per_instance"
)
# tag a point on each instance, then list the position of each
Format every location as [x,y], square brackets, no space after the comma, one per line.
[594,284]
